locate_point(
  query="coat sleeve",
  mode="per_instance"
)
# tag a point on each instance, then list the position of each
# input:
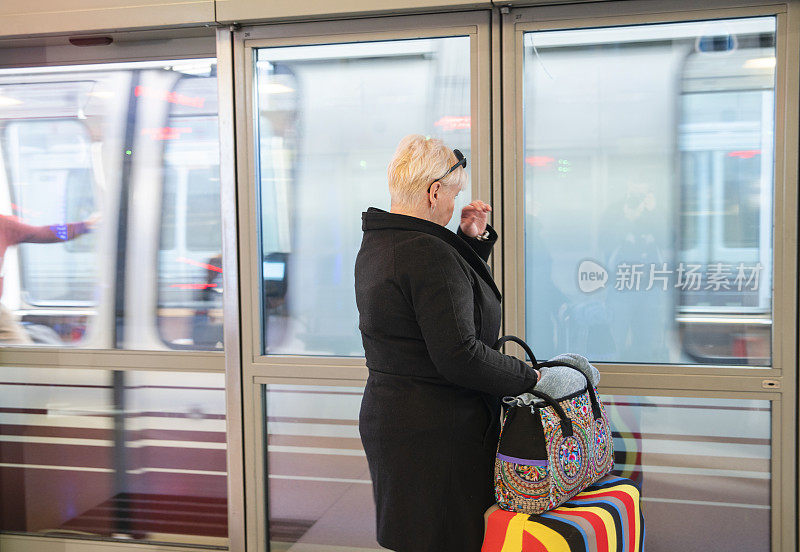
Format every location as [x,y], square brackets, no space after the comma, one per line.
[482,248]
[441,296]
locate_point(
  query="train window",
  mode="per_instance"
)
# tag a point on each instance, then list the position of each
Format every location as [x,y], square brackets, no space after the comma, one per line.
[203,231]
[319,487]
[701,462]
[742,200]
[137,455]
[190,255]
[168,209]
[328,123]
[655,142]
[114,171]
[81,204]
[51,182]
[690,207]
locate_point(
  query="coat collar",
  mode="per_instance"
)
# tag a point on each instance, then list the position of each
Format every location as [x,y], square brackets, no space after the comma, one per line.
[378,219]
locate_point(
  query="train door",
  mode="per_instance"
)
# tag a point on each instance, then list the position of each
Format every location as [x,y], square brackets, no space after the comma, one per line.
[55,146]
[726,158]
[76,156]
[175,302]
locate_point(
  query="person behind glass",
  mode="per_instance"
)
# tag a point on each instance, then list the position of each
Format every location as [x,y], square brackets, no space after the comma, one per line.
[429,313]
[13,232]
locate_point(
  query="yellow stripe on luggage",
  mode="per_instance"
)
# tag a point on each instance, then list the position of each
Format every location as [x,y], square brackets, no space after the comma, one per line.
[513,540]
[551,540]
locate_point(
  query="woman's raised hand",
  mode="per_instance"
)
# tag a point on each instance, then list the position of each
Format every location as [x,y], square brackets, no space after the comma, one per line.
[473,218]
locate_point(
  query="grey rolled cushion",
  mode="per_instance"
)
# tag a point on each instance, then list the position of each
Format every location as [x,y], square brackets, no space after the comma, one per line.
[559,381]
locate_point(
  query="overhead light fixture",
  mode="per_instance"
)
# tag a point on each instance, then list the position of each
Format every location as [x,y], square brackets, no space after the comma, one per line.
[760,63]
[105,94]
[196,69]
[275,88]
[6,101]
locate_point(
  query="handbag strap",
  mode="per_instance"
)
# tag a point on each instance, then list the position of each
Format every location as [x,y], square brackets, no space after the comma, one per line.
[517,340]
[596,412]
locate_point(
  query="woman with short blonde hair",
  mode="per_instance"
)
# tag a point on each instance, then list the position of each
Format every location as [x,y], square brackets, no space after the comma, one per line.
[416,163]
[429,313]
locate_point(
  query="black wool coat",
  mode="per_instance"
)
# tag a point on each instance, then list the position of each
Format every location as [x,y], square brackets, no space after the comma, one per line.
[429,313]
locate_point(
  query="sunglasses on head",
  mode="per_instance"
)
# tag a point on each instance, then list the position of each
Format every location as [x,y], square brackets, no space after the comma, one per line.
[462,162]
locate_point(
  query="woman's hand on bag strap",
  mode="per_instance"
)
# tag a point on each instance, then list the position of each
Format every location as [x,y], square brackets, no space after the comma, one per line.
[500,342]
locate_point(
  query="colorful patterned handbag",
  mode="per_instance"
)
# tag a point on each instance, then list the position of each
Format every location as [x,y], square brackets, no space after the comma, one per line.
[550,451]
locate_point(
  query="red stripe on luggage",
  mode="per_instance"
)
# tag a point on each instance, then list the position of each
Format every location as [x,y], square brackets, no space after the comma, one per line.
[531,543]
[496,528]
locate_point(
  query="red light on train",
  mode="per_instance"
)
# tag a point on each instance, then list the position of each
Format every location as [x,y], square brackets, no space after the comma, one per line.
[198,263]
[193,286]
[167,96]
[744,154]
[538,160]
[166,133]
[453,123]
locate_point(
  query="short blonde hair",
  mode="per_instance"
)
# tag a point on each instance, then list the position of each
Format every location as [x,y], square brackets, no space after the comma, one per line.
[417,162]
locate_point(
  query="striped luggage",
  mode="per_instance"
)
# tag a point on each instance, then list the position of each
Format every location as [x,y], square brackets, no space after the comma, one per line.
[606,517]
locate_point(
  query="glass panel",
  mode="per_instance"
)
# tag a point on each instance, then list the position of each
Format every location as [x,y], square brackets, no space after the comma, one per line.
[701,462]
[704,467]
[134,455]
[190,247]
[328,124]
[87,151]
[319,487]
[656,143]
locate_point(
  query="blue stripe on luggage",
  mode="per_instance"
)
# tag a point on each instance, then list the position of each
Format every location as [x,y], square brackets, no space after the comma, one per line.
[613,510]
[570,522]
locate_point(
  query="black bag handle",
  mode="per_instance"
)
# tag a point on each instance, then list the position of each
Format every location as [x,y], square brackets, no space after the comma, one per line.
[566,423]
[538,365]
[500,342]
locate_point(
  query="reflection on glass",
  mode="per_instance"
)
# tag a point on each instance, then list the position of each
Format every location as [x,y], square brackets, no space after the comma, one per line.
[648,191]
[704,467]
[47,157]
[703,464]
[318,482]
[329,120]
[137,455]
[89,154]
[190,253]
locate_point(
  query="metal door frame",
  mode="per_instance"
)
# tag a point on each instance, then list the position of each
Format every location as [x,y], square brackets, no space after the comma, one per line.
[247,374]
